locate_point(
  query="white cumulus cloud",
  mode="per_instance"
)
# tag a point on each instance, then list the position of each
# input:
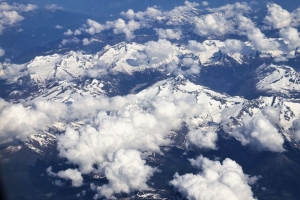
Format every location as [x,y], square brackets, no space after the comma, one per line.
[232,46]
[291,35]
[212,24]
[70,174]
[126,173]
[168,33]
[216,181]
[193,45]
[68,32]
[260,42]
[10,14]
[277,17]
[260,132]
[202,139]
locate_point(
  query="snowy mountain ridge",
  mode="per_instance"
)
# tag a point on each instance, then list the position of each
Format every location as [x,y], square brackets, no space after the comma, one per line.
[132,57]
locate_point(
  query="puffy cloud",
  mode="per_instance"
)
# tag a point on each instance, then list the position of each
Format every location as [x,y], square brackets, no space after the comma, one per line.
[179,10]
[277,17]
[216,181]
[154,13]
[119,27]
[212,24]
[2,52]
[70,174]
[10,71]
[10,14]
[68,32]
[193,45]
[151,12]
[260,132]
[127,129]
[232,46]
[159,50]
[204,3]
[202,139]
[281,59]
[191,64]
[244,23]
[77,32]
[126,173]
[134,123]
[231,10]
[86,41]
[53,7]
[94,27]
[10,17]
[58,27]
[17,7]
[19,122]
[168,33]
[290,35]
[261,43]
[69,41]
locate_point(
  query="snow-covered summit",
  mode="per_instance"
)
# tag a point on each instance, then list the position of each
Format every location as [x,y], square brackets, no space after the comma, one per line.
[278,80]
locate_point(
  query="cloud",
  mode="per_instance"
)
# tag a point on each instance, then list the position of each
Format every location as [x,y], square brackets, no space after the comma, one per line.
[69,41]
[17,7]
[179,10]
[231,10]
[77,32]
[260,42]
[151,12]
[281,59]
[58,27]
[233,46]
[2,52]
[290,35]
[86,41]
[259,131]
[201,139]
[244,24]
[159,50]
[134,123]
[191,65]
[53,7]
[10,14]
[204,3]
[277,17]
[168,33]
[70,174]
[68,32]
[119,26]
[94,27]
[126,173]
[19,122]
[212,24]
[216,181]
[193,45]
[9,71]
